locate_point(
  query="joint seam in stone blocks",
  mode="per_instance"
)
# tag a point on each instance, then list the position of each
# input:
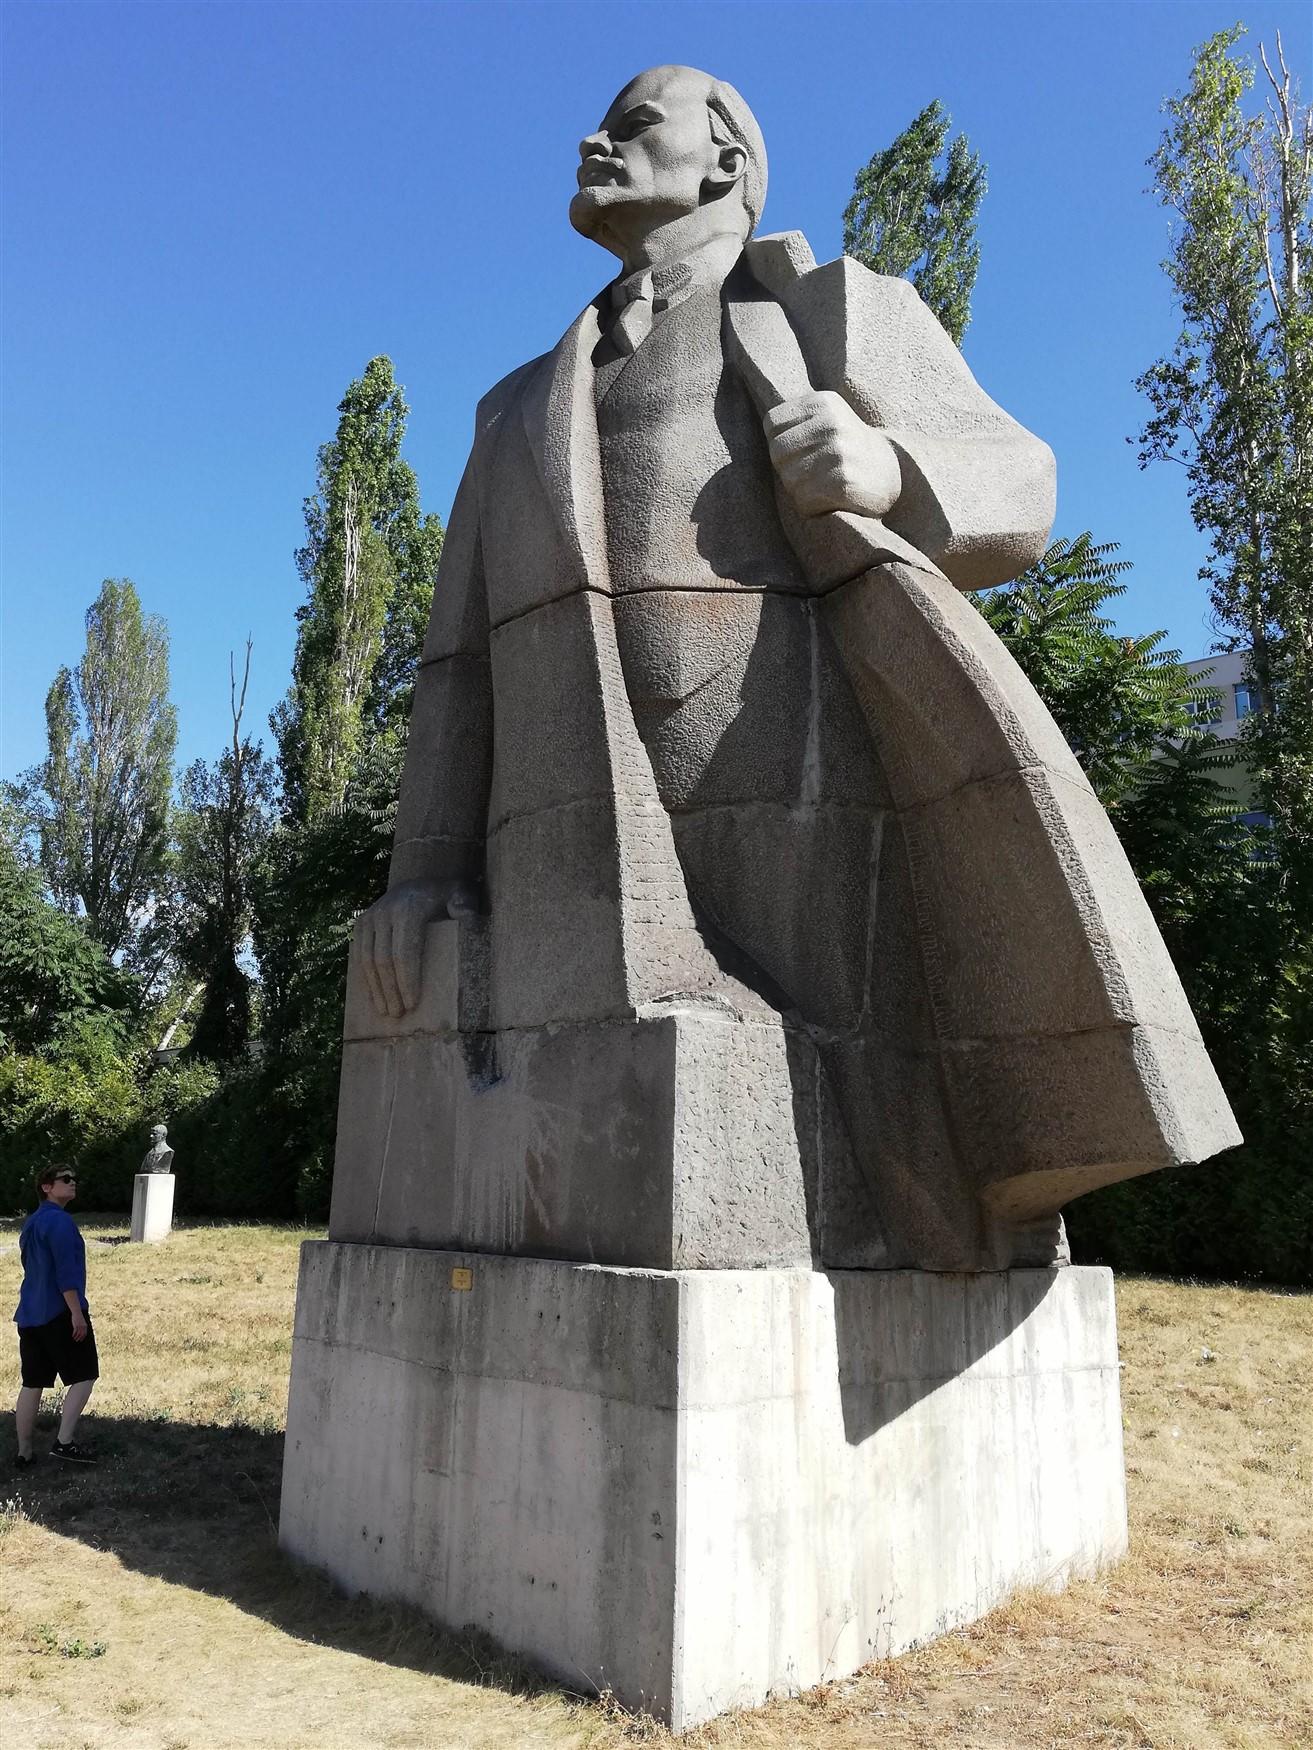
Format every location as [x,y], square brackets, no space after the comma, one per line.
[335,1343]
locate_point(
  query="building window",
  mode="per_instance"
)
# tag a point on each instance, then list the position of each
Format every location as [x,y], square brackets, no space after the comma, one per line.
[1246,700]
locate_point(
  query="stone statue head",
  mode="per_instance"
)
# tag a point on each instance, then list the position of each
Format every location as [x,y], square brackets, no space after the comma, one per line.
[158,1133]
[676,145]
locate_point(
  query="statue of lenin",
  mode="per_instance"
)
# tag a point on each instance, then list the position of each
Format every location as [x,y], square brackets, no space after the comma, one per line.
[704,729]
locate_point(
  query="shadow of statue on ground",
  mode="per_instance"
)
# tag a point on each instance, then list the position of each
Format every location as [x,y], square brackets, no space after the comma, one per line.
[196,1504]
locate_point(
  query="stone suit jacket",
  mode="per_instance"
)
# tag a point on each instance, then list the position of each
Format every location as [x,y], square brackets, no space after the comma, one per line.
[1063,1047]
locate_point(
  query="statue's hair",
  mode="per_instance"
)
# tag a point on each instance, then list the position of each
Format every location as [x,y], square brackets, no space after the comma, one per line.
[731,116]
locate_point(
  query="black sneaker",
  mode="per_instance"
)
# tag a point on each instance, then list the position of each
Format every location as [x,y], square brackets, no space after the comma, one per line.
[22,1463]
[73,1452]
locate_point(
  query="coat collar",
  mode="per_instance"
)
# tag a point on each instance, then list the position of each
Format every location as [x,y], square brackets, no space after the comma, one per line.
[560,415]
[560,420]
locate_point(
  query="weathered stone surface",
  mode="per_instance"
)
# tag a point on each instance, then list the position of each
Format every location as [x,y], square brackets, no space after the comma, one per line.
[1051,1113]
[152,1206]
[545,668]
[458,624]
[808,926]
[1068,1047]
[684,1137]
[699,1489]
[453,987]
[772,930]
[871,337]
[700,783]
[451,719]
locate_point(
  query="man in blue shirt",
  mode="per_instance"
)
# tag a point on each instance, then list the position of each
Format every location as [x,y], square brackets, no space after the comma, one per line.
[54,1322]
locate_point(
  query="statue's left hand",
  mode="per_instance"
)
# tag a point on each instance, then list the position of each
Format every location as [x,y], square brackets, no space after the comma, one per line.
[390,937]
[828,458]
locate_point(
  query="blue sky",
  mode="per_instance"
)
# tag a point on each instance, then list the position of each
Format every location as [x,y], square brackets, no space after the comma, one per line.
[215,213]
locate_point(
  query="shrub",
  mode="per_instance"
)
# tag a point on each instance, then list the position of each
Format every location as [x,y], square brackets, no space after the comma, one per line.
[63,1110]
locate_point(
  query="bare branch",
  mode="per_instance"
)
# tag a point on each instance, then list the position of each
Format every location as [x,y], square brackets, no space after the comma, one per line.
[236,704]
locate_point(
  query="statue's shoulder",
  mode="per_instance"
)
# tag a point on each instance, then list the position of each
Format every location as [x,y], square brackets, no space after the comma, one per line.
[783,262]
[502,395]
[872,337]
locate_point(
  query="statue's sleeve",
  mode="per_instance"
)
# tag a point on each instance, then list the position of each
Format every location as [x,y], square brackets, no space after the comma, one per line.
[978,488]
[442,815]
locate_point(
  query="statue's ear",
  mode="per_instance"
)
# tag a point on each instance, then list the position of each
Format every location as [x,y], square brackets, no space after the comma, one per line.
[731,163]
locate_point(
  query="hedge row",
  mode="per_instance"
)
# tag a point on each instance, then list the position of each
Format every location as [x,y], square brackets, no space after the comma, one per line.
[230,1159]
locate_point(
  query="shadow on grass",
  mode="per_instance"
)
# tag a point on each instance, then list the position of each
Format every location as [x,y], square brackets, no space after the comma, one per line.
[197,1505]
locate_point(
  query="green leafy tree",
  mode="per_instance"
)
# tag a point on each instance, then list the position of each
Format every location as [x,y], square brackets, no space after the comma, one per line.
[1233,401]
[222,824]
[55,978]
[69,1020]
[1119,701]
[1229,917]
[101,799]
[368,564]
[1227,911]
[913,213]
[312,882]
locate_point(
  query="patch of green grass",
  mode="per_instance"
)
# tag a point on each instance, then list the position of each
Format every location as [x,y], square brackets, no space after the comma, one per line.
[48,1641]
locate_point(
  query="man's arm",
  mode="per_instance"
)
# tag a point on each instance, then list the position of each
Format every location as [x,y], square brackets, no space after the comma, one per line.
[74,1302]
[70,1260]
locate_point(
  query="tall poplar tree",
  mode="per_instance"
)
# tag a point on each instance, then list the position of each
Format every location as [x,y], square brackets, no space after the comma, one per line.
[223,823]
[102,794]
[913,214]
[369,562]
[1233,400]
[368,565]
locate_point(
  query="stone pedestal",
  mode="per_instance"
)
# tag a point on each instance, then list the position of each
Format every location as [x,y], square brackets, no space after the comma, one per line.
[152,1206]
[690,1137]
[698,1488]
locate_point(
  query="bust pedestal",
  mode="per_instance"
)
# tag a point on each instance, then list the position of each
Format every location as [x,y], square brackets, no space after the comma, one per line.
[152,1206]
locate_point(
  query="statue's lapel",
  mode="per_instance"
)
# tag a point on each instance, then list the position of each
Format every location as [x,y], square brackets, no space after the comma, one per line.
[560,419]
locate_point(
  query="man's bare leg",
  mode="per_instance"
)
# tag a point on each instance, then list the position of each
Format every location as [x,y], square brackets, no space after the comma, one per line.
[75,1401]
[25,1414]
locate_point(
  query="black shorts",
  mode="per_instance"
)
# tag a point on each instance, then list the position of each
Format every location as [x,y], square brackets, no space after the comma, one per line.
[47,1350]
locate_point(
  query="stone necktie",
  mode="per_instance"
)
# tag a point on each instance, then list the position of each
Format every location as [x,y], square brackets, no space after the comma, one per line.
[633,324]
[641,298]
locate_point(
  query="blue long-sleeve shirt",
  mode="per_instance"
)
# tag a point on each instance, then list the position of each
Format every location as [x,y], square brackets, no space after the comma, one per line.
[54,1259]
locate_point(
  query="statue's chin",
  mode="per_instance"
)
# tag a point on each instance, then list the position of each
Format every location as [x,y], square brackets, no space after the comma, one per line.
[588,207]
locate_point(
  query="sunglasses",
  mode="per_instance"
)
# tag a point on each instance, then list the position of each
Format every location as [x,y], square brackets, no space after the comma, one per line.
[64,1179]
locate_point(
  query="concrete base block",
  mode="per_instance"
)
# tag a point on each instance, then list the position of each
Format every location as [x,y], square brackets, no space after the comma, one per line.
[152,1206]
[698,1488]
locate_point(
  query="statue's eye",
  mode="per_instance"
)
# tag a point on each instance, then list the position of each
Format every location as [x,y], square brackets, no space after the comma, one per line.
[634,124]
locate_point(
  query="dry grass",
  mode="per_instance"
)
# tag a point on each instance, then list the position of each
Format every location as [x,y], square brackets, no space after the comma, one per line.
[144,1604]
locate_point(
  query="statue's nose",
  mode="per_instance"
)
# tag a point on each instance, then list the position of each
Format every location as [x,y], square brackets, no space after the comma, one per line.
[596,145]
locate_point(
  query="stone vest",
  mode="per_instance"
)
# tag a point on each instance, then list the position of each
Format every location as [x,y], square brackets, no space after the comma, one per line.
[684,456]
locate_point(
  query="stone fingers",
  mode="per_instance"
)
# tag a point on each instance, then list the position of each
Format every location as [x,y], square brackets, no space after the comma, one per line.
[365,936]
[814,476]
[408,954]
[385,963]
[789,414]
[805,437]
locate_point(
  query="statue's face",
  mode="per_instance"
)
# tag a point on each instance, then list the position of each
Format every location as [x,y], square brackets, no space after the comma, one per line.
[650,158]
[158,1134]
